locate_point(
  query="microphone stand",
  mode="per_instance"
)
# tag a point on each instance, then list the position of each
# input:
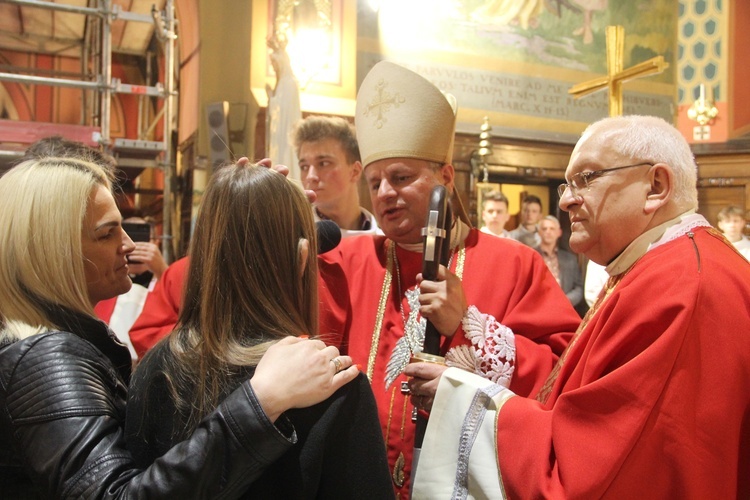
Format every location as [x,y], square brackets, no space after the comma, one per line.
[436,251]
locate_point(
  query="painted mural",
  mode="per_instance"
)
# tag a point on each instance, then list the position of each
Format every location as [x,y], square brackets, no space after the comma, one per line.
[514,60]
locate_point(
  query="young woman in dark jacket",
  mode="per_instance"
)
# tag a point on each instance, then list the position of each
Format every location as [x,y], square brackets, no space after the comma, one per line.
[63,377]
[252,279]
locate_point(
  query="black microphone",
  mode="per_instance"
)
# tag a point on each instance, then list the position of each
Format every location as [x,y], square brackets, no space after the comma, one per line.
[329,235]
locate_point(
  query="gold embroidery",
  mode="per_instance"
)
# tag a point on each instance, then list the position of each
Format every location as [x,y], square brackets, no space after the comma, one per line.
[381,312]
[382,102]
[398,471]
[460,262]
[609,287]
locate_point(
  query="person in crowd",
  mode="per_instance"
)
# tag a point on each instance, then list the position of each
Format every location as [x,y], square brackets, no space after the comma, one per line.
[57,146]
[227,324]
[527,231]
[495,214]
[64,379]
[371,292]
[562,264]
[330,166]
[652,396]
[732,223]
[146,265]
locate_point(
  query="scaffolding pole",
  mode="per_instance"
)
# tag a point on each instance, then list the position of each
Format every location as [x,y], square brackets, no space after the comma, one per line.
[169,107]
[165,29]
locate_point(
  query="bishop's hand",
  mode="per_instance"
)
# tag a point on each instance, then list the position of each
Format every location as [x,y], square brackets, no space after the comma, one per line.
[282,169]
[443,302]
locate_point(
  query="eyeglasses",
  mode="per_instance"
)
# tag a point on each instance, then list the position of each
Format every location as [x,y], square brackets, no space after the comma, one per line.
[580,181]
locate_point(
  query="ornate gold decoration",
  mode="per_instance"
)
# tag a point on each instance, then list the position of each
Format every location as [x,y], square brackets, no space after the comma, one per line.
[703,109]
[398,471]
[382,103]
[291,13]
[485,147]
[616,75]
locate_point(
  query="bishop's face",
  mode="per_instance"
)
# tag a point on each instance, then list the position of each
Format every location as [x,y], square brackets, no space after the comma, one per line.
[400,192]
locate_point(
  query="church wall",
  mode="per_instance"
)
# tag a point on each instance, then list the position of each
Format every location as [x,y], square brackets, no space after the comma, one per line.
[703,59]
[225,46]
[517,66]
[739,68]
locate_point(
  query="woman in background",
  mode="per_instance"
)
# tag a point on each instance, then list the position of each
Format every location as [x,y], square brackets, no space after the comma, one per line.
[252,281]
[63,377]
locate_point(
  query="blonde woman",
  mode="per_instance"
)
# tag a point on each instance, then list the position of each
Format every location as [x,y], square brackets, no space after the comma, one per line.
[251,282]
[63,377]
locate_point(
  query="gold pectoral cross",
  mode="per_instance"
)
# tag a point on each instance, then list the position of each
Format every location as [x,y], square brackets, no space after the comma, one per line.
[616,76]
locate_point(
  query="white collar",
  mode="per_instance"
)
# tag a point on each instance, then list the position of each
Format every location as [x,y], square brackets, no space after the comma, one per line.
[654,237]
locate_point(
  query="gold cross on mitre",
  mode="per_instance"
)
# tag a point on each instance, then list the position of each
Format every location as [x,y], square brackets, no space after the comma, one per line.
[616,76]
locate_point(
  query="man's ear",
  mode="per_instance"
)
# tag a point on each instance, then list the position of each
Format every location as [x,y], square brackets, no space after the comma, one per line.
[303,251]
[356,171]
[447,174]
[662,187]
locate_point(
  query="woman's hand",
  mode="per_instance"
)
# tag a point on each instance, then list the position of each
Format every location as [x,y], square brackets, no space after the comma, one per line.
[297,373]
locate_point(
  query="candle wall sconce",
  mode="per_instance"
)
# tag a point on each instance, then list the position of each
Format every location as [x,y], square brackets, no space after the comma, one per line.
[703,110]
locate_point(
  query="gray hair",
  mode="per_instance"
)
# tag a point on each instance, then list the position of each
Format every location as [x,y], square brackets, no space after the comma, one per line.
[652,139]
[552,218]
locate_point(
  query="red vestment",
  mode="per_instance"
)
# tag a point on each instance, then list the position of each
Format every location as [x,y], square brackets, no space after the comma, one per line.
[653,398]
[161,310]
[501,277]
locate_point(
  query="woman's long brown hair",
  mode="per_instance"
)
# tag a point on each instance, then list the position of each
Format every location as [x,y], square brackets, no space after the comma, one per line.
[244,289]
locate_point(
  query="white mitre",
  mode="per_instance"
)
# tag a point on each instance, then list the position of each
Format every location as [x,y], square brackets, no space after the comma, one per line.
[402,115]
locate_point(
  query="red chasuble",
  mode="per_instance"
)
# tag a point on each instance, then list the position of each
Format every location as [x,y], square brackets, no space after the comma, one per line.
[500,277]
[653,398]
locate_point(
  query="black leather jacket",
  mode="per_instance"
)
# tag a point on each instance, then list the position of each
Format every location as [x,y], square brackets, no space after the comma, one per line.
[61,427]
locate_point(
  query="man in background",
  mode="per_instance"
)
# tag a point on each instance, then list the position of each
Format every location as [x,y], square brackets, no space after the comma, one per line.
[732,223]
[527,231]
[562,264]
[495,214]
[330,166]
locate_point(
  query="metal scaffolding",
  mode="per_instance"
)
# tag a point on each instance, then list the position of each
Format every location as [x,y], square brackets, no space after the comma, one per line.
[106,86]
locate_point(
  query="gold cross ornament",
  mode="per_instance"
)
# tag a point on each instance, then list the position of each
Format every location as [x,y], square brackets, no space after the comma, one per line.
[616,76]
